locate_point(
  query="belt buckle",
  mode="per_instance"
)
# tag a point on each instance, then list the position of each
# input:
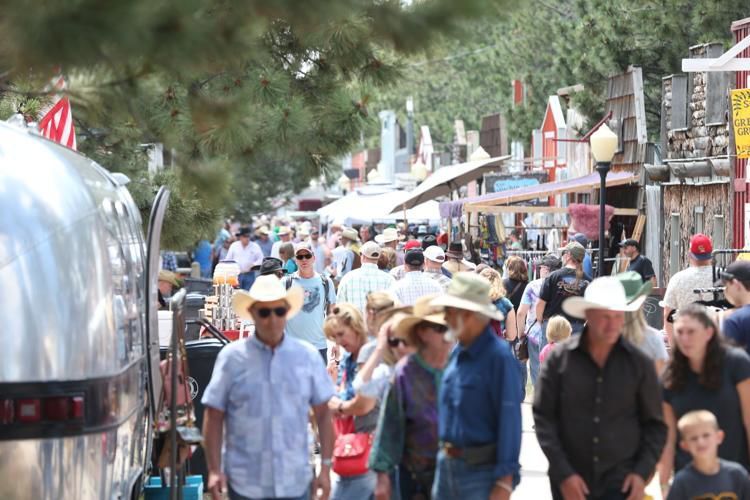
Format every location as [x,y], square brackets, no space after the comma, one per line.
[452,451]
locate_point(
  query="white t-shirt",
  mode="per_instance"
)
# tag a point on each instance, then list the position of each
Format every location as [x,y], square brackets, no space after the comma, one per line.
[653,345]
[679,292]
[246,257]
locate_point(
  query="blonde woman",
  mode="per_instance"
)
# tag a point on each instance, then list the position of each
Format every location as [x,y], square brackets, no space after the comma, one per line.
[508,327]
[346,327]
[636,329]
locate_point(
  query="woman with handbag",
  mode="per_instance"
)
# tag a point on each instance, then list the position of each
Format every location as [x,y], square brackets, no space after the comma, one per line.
[355,415]
[407,436]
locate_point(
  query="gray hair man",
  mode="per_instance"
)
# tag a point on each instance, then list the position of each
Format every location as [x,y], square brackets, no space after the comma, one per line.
[479,408]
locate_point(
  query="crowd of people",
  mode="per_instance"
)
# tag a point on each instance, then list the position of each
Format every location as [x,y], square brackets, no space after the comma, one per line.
[404,366]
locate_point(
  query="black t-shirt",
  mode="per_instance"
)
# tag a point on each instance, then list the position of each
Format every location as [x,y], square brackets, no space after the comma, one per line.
[724,403]
[514,291]
[642,266]
[559,286]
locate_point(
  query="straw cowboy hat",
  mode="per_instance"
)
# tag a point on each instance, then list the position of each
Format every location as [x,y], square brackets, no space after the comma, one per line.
[350,234]
[603,293]
[267,288]
[389,234]
[169,277]
[470,292]
[284,230]
[422,311]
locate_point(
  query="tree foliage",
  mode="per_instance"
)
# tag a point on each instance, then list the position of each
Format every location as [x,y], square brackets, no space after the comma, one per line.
[251,98]
[553,44]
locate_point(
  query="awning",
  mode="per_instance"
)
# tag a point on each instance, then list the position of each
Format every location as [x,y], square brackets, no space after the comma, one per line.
[447,179]
[577,185]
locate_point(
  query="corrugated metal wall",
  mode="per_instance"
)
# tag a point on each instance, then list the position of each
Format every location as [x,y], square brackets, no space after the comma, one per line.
[741,29]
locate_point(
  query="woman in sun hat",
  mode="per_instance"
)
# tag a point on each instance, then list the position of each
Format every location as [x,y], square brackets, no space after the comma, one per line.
[407,436]
[637,331]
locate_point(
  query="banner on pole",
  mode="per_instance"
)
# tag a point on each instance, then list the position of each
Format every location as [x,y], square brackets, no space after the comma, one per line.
[741,121]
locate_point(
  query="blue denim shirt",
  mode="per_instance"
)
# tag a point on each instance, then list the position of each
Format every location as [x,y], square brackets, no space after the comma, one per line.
[480,401]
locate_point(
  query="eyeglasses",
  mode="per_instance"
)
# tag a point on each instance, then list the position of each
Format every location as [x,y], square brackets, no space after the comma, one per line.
[304,256]
[265,312]
[439,328]
[395,341]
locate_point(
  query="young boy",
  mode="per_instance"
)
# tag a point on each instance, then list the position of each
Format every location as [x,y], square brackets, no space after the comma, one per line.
[707,476]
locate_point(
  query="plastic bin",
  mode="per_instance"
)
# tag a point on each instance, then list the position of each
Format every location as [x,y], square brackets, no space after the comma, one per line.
[191,490]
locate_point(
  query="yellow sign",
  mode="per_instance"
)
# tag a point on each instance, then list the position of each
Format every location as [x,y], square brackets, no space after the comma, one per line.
[741,121]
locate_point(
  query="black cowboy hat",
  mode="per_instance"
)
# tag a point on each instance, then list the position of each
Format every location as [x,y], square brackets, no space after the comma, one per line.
[270,265]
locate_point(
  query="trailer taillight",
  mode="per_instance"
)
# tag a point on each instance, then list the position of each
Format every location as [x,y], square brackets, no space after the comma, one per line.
[34,410]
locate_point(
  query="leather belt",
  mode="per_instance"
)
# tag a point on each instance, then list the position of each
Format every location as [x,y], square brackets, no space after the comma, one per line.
[473,455]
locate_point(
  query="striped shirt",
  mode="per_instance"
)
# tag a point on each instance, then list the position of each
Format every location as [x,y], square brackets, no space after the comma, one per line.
[438,276]
[414,284]
[355,285]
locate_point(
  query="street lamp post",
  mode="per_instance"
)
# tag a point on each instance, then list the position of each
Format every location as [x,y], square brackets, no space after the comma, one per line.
[603,148]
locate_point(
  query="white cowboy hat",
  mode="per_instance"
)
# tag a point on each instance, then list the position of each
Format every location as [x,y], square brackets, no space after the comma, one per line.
[267,289]
[389,234]
[470,292]
[603,293]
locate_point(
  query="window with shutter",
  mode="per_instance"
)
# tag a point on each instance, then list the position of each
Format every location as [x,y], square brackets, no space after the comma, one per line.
[718,236]
[679,102]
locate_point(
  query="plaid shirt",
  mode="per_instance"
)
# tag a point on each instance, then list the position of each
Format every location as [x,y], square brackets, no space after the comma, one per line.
[355,285]
[441,279]
[414,284]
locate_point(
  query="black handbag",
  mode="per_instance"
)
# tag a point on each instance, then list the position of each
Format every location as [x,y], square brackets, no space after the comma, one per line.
[521,345]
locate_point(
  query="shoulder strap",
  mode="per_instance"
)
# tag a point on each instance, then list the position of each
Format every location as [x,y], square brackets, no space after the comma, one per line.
[289,279]
[326,291]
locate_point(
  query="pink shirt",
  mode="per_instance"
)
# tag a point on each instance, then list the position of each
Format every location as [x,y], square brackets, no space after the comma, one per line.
[545,352]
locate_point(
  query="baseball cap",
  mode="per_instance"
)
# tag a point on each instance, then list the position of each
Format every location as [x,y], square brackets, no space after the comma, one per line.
[701,247]
[303,247]
[411,244]
[552,262]
[428,241]
[414,257]
[576,250]
[737,270]
[630,242]
[580,238]
[371,250]
[434,253]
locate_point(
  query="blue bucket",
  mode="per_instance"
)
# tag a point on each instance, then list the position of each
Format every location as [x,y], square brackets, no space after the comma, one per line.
[191,490]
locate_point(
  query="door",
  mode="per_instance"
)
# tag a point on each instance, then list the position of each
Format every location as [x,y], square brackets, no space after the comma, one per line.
[153,265]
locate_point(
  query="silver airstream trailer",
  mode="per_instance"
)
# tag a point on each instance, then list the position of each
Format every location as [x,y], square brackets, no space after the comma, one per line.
[78,344]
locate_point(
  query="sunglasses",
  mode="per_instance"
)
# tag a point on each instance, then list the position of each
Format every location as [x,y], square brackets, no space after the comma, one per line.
[395,341]
[265,312]
[304,256]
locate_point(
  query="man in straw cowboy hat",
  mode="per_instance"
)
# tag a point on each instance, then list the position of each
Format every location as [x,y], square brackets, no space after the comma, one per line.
[597,407]
[261,391]
[390,237]
[344,257]
[407,437]
[480,399]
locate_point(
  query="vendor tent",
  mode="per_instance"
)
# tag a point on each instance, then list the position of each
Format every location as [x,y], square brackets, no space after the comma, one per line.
[448,179]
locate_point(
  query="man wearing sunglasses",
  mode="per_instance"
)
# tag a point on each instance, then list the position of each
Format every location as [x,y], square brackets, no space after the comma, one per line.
[736,280]
[319,294]
[261,390]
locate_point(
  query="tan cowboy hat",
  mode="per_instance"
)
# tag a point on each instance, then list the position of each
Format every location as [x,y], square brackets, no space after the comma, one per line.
[350,234]
[283,230]
[267,288]
[603,293]
[389,235]
[422,311]
[470,292]
[169,277]
[263,230]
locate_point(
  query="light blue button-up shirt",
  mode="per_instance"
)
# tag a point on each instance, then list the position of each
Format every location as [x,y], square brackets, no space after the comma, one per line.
[265,395]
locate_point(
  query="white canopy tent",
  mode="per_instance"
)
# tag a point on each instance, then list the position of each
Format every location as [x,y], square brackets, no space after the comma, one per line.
[366,207]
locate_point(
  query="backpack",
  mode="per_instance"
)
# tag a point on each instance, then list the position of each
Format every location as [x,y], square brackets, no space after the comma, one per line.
[326,288]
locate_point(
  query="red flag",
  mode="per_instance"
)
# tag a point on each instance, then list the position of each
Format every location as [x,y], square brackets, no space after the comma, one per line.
[57,124]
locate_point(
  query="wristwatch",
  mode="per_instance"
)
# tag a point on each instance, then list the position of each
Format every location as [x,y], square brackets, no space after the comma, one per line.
[326,462]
